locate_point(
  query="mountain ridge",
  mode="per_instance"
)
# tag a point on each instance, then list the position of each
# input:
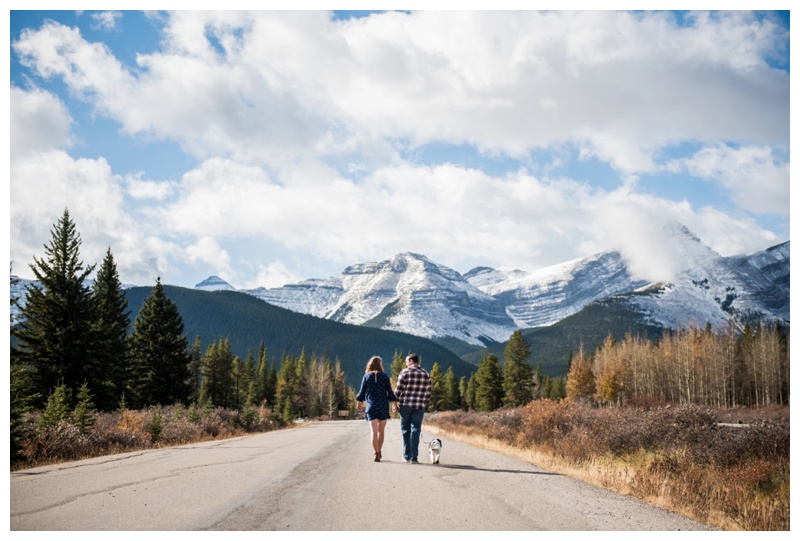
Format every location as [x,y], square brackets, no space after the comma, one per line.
[410,293]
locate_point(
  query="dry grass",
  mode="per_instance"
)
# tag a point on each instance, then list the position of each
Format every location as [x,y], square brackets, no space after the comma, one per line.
[675,457]
[133,430]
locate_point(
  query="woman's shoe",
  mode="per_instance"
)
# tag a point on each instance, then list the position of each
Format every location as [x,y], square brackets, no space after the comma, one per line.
[377,456]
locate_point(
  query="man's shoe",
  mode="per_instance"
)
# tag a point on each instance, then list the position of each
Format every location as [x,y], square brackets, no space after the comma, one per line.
[406,460]
[414,461]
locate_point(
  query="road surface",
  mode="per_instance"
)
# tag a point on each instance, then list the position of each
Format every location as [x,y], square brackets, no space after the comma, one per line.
[320,476]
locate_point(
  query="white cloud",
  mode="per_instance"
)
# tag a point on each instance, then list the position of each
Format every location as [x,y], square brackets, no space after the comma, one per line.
[274,274]
[282,83]
[757,179]
[138,188]
[38,121]
[265,100]
[45,180]
[208,250]
[106,20]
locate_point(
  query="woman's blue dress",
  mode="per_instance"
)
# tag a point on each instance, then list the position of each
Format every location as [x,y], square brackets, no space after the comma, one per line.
[376,391]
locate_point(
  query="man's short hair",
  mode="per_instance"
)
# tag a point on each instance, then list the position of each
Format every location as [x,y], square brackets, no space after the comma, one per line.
[413,358]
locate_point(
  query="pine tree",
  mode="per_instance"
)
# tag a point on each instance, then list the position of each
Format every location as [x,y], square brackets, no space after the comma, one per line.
[287,388]
[195,368]
[517,373]
[22,397]
[452,395]
[249,382]
[463,389]
[489,384]
[217,388]
[262,377]
[84,413]
[159,353]
[398,364]
[113,321]
[471,394]
[437,388]
[57,333]
[57,407]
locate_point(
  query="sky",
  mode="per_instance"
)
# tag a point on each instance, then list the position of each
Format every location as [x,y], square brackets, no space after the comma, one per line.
[268,147]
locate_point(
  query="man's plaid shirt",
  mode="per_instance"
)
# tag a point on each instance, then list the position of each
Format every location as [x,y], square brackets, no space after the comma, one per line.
[413,387]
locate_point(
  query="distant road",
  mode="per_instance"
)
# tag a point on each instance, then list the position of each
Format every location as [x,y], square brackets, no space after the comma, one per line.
[318,477]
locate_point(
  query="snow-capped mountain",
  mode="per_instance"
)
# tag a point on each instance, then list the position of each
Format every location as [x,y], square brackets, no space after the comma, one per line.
[412,294]
[548,295]
[747,288]
[408,293]
[214,283]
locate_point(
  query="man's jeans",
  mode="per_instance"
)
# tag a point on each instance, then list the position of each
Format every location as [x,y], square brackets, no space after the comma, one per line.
[411,426]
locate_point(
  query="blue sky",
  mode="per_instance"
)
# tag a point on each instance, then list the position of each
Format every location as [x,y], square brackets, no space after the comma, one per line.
[268,147]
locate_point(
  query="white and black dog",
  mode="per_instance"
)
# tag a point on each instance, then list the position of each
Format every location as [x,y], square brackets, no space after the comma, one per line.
[434,450]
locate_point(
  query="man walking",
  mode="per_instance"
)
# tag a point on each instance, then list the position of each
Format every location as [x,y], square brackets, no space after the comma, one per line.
[413,392]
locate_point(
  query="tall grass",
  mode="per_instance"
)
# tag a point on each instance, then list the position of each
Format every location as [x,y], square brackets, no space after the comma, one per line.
[674,456]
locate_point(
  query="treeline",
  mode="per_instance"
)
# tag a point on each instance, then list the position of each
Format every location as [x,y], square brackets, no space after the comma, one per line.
[298,388]
[731,368]
[72,354]
[493,385]
[690,366]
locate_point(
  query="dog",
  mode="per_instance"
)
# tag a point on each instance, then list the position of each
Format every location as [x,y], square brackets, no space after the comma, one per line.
[434,450]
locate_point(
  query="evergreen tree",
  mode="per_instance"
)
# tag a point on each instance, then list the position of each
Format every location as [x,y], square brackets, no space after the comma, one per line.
[471,394]
[57,407]
[463,389]
[159,353]
[249,382]
[398,364]
[302,397]
[287,388]
[437,388]
[452,395]
[84,414]
[489,384]
[262,377]
[195,369]
[272,387]
[517,373]
[57,333]
[217,388]
[22,396]
[113,321]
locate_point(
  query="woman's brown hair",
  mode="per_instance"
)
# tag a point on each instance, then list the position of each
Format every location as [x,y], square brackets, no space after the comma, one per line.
[375,364]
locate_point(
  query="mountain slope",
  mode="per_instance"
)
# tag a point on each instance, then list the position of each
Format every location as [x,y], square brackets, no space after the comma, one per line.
[546,296]
[408,293]
[247,321]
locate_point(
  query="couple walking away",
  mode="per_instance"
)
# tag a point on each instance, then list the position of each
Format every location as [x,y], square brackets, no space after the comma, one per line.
[410,396]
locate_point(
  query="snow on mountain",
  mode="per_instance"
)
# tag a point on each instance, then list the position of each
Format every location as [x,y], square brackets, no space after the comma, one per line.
[548,295]
[747,288]
[408,293]
[214,283]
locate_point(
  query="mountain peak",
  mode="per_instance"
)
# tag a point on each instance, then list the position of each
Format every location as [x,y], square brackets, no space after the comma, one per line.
[214,283]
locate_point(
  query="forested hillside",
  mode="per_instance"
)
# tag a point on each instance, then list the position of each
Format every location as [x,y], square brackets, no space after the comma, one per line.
[552,346]
[248,321]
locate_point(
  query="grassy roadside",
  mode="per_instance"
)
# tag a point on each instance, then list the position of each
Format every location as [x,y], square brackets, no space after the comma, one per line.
[675,457]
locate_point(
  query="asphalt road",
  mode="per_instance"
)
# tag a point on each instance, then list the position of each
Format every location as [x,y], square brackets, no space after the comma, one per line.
[318,477]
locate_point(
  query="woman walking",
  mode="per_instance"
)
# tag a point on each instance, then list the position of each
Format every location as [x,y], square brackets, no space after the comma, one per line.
[376,391]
